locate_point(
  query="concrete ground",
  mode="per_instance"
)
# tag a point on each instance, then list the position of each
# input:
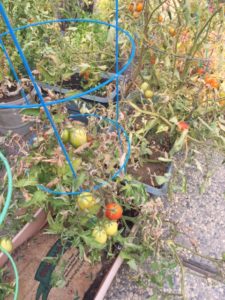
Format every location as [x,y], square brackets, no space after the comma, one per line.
[200,213]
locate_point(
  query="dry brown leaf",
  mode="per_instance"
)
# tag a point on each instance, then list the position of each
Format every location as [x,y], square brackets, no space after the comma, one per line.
[53,182]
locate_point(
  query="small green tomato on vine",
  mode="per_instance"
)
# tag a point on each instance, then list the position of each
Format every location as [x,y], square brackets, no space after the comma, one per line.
[6,244]
[86,201]
[111,228]
[144,86]
[78,137]
[99,235]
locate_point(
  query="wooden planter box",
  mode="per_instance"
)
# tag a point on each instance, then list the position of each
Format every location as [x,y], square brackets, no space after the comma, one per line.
[27,232]
[29,260]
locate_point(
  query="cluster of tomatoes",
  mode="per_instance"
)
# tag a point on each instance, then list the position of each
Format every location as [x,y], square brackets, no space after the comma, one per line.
[136,8]
[209,79]
[75,136]
[145,89]
[85,201]
[109,226]
[171,30]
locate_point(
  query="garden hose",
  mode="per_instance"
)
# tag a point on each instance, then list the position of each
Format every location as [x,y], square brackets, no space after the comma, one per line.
[3,215]
[16,292]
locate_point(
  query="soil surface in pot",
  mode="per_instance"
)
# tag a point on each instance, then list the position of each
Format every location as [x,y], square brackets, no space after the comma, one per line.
[7,99]
[79,83]
[150,166]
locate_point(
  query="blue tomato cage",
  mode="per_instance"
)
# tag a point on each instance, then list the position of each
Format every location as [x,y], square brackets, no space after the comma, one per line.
[45,105]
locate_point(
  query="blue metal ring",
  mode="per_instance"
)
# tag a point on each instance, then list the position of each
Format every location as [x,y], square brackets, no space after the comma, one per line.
[76,96]
[116,174]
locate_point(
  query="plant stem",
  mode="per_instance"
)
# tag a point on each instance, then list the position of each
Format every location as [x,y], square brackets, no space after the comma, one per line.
[143,49]
[151,114]
[195,46]
[181,268]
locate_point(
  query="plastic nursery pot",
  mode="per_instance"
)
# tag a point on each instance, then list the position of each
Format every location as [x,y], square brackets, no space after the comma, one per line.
[11,120]
[163,189]
[27,232]
[76,84]
[155,191]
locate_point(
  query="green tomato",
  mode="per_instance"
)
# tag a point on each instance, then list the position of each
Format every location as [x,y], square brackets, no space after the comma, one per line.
[111,228]
[149,94]
[6,244]
[65,136]
[85,201]
[144,86]
[99,235]
[76,163]
[78,137]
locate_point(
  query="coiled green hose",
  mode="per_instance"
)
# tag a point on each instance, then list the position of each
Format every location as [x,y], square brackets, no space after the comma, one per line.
[3,215]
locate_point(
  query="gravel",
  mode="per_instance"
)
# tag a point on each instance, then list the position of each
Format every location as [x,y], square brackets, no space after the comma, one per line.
[196,288]
[200,213]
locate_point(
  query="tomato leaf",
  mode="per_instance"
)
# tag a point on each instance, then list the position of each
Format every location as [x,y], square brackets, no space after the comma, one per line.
[25,182]
[30,112]
[79,181]
[132,264]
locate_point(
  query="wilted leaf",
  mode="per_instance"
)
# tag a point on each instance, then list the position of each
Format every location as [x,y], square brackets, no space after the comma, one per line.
[161,179]
[30,112]
[162,128]
[132,264]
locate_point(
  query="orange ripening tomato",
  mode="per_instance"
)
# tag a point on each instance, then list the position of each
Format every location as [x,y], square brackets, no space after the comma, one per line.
[182,125]
[139,7]
[152,59]
[131,7]
[212,82]
[160,18]
[113,211]
[172,31]
[221,103]
[200,71]
[86,75]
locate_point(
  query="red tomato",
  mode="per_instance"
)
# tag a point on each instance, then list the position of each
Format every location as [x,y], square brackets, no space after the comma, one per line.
[182,125]
[152,59]
[200,71]
[113,211]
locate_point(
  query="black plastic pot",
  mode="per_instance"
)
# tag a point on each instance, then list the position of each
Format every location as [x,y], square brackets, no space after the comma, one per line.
[163,189]
[77,85]
[11,120]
